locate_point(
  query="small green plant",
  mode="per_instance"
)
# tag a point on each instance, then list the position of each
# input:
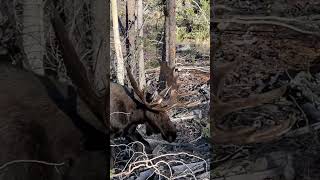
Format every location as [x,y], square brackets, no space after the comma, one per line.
[111,172]
[206,131]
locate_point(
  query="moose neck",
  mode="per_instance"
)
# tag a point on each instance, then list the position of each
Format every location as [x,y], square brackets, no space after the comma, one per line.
[126,110]
[68,105]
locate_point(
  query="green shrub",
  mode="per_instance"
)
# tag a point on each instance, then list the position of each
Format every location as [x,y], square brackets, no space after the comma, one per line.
[195,15]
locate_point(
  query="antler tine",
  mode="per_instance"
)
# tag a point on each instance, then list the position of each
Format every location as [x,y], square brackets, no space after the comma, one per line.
[219,75]
[153,95]
[155,105]
[136,89]
[171,79]
[77,71]
[157,101]
[164,92]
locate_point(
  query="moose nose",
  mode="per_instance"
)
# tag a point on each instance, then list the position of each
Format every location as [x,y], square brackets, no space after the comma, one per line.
[171,137]
[173,134]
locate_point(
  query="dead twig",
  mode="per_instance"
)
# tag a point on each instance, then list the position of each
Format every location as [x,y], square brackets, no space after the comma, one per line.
[282,24]
[30,161]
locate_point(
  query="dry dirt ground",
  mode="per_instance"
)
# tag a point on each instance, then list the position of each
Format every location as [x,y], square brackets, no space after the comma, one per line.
[276,42]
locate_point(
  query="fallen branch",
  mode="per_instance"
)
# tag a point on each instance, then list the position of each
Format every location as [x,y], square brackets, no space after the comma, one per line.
[30,161]
[267,23]
[272,18]
[194,104]
[179,119]
[274,172]
[303,130]
[162,164]
[204,69]
[180,169]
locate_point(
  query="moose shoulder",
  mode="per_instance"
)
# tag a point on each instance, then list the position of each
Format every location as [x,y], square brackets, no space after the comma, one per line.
[34,127]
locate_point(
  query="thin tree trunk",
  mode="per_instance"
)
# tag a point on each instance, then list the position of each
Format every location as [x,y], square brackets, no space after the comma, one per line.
[117,43]
[169,44]
[33,34]
[131,34]
[142,78]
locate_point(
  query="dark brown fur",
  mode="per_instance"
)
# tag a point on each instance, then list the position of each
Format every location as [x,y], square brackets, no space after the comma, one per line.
[127,112]
[33,127]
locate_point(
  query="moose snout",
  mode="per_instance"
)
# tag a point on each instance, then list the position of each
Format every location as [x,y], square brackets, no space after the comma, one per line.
[170,136]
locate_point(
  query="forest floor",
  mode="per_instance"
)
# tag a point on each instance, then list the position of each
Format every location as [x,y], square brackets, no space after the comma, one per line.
[272,51]
[189,156]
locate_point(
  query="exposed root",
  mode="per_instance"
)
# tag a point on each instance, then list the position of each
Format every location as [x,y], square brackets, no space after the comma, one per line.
[249,134]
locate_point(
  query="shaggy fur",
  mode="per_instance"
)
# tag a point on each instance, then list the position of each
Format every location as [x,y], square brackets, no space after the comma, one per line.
[34,127]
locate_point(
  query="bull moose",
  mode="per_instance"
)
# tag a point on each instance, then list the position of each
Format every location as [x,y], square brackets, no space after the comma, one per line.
[44,137]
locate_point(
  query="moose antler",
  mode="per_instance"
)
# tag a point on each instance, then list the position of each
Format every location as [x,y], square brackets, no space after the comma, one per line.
[79,75]
[159,102]
[172,81]
[221,109]
[156,101]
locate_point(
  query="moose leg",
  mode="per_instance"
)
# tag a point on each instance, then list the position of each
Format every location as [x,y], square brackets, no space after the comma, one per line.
[134,135]
[150,130]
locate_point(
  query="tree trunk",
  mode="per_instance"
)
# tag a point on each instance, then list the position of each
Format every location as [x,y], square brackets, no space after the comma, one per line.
[100,43]
[131,34]
[117,43]
[169,44]
[142,77]
[33,34]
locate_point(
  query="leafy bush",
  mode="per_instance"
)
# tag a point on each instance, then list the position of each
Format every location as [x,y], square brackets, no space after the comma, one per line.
[193,20]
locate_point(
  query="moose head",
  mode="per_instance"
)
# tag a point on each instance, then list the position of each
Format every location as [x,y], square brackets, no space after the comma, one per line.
[156,107]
